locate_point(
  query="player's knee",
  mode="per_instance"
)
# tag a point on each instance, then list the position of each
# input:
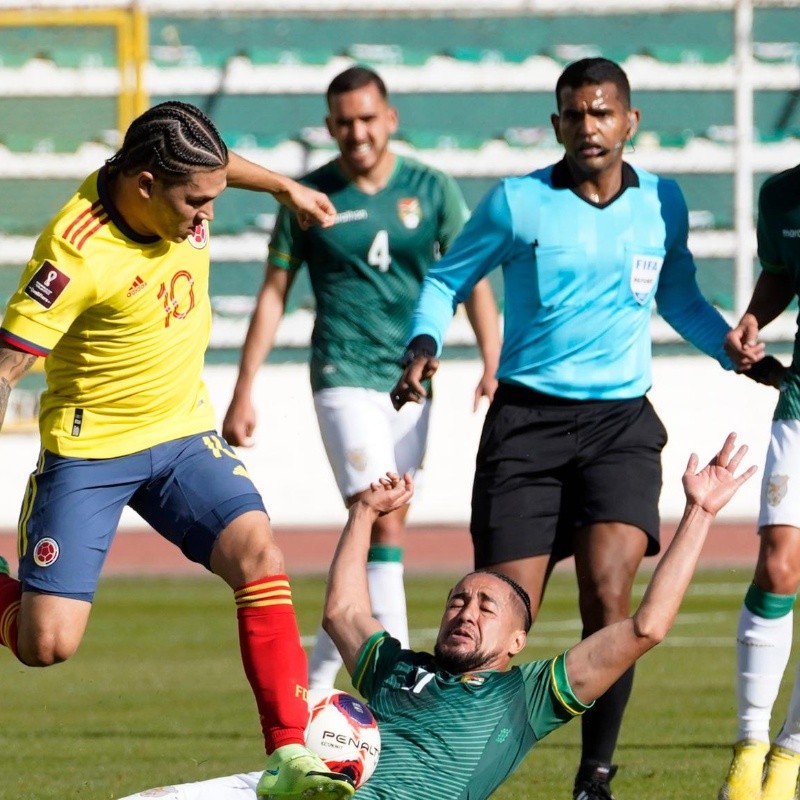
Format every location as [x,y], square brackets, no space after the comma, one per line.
[46,649]
[778,575]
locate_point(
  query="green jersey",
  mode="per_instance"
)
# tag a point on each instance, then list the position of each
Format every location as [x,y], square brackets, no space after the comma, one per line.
[366,269]
[779,252]
[456,737]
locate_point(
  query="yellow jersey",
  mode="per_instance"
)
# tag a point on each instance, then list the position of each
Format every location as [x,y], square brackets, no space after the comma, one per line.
[123,320]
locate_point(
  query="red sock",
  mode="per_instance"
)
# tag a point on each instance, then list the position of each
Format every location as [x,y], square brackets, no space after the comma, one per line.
[10,595]
[274,661]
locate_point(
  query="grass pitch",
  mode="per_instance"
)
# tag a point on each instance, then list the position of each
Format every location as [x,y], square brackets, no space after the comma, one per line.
[157,695]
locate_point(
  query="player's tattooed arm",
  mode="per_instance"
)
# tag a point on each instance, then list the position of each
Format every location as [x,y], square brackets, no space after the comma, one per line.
[13,365]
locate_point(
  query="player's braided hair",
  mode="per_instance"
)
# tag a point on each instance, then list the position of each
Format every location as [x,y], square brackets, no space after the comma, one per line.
[523,596]
[171,140]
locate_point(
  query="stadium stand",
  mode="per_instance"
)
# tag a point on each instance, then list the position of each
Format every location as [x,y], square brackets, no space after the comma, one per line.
[474,93]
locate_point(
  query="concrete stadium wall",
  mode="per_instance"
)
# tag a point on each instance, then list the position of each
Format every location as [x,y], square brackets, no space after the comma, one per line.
[698,402]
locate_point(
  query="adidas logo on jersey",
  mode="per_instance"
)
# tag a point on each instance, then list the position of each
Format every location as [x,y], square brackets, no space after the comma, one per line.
[137,286]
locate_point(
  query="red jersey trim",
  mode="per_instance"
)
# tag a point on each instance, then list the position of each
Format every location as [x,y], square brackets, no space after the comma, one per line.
[22,344]
[87,223]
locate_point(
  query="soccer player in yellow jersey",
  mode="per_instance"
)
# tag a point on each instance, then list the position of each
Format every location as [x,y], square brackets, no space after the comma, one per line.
[116,297]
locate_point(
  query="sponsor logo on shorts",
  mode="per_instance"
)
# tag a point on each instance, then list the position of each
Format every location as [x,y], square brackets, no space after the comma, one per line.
[199,239]
[409,210]
[791,233]
[46,552]
[47,284]
[777,487]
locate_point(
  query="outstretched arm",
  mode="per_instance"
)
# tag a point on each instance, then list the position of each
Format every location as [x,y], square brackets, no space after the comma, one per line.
[13,365]
[481,308]
[347,617]
[597,662]
[309,205]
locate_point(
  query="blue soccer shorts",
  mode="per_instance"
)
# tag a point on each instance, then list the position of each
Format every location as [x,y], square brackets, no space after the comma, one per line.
[188,490]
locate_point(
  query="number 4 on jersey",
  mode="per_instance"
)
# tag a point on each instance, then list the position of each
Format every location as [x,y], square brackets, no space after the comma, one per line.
[378,255]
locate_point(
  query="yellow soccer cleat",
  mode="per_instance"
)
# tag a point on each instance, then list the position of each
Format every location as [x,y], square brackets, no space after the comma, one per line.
[293,772]
[780,777]
[743,781]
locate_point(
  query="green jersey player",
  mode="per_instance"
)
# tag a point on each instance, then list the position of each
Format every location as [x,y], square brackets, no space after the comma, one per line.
[395,215]
[455,724]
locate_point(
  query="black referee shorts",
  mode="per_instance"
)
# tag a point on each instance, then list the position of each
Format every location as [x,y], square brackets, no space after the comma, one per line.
[547,466]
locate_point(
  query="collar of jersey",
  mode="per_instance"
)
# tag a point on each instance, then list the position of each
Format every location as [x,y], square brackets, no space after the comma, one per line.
[561,177]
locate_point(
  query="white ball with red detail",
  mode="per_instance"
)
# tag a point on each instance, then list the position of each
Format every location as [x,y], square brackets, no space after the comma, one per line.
[343,732]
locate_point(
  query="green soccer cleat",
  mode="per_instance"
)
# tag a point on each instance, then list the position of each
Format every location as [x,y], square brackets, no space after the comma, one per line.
[293,772]
[780,777]
[743,781]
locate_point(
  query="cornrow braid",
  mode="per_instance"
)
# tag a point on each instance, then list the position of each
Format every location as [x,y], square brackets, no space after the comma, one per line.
[523,595]
[171,140]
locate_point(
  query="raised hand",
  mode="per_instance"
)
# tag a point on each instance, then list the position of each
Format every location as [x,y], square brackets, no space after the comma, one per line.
[389,492]
[713,486]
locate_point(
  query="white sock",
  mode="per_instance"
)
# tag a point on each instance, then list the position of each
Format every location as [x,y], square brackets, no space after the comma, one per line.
[762,652]
[388,598]
[324,662]
[387,593]
[789,737]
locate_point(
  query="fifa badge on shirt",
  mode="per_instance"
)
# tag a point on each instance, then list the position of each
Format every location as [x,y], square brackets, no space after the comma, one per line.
[47,284]
[644,275]
[410,212]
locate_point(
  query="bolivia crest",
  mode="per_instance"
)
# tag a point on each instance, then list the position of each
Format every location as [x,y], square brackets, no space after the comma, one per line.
[410,211]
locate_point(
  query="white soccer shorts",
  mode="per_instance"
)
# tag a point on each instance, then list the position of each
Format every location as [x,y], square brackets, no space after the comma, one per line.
[365,437]
[780,498]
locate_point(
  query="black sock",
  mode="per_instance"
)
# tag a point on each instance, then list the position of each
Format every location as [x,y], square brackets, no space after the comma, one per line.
[601,723]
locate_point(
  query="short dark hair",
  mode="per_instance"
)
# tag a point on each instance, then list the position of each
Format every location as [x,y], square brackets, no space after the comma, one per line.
[521,594]
[592,72]
[171,140]
[353,78]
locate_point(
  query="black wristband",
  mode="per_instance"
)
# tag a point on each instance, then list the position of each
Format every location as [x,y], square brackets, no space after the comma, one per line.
[767,371]
[422,345]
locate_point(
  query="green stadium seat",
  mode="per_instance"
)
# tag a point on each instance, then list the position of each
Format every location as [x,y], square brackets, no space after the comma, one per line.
[777,52]
[288,56]
[387,54]
[442,140]
[566,53]
[75,57]
[487,55]
[680,54]
[529,137]
[24,142]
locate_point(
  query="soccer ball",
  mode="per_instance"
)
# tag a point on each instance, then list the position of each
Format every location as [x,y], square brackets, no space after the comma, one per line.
[343,733]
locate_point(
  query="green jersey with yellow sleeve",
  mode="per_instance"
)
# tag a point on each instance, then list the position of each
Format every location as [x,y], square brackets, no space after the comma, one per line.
[456,737]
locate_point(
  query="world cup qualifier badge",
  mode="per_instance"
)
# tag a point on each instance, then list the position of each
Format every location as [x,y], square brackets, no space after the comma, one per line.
[199,239]
[47,284]
[46,552]
[410,212]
